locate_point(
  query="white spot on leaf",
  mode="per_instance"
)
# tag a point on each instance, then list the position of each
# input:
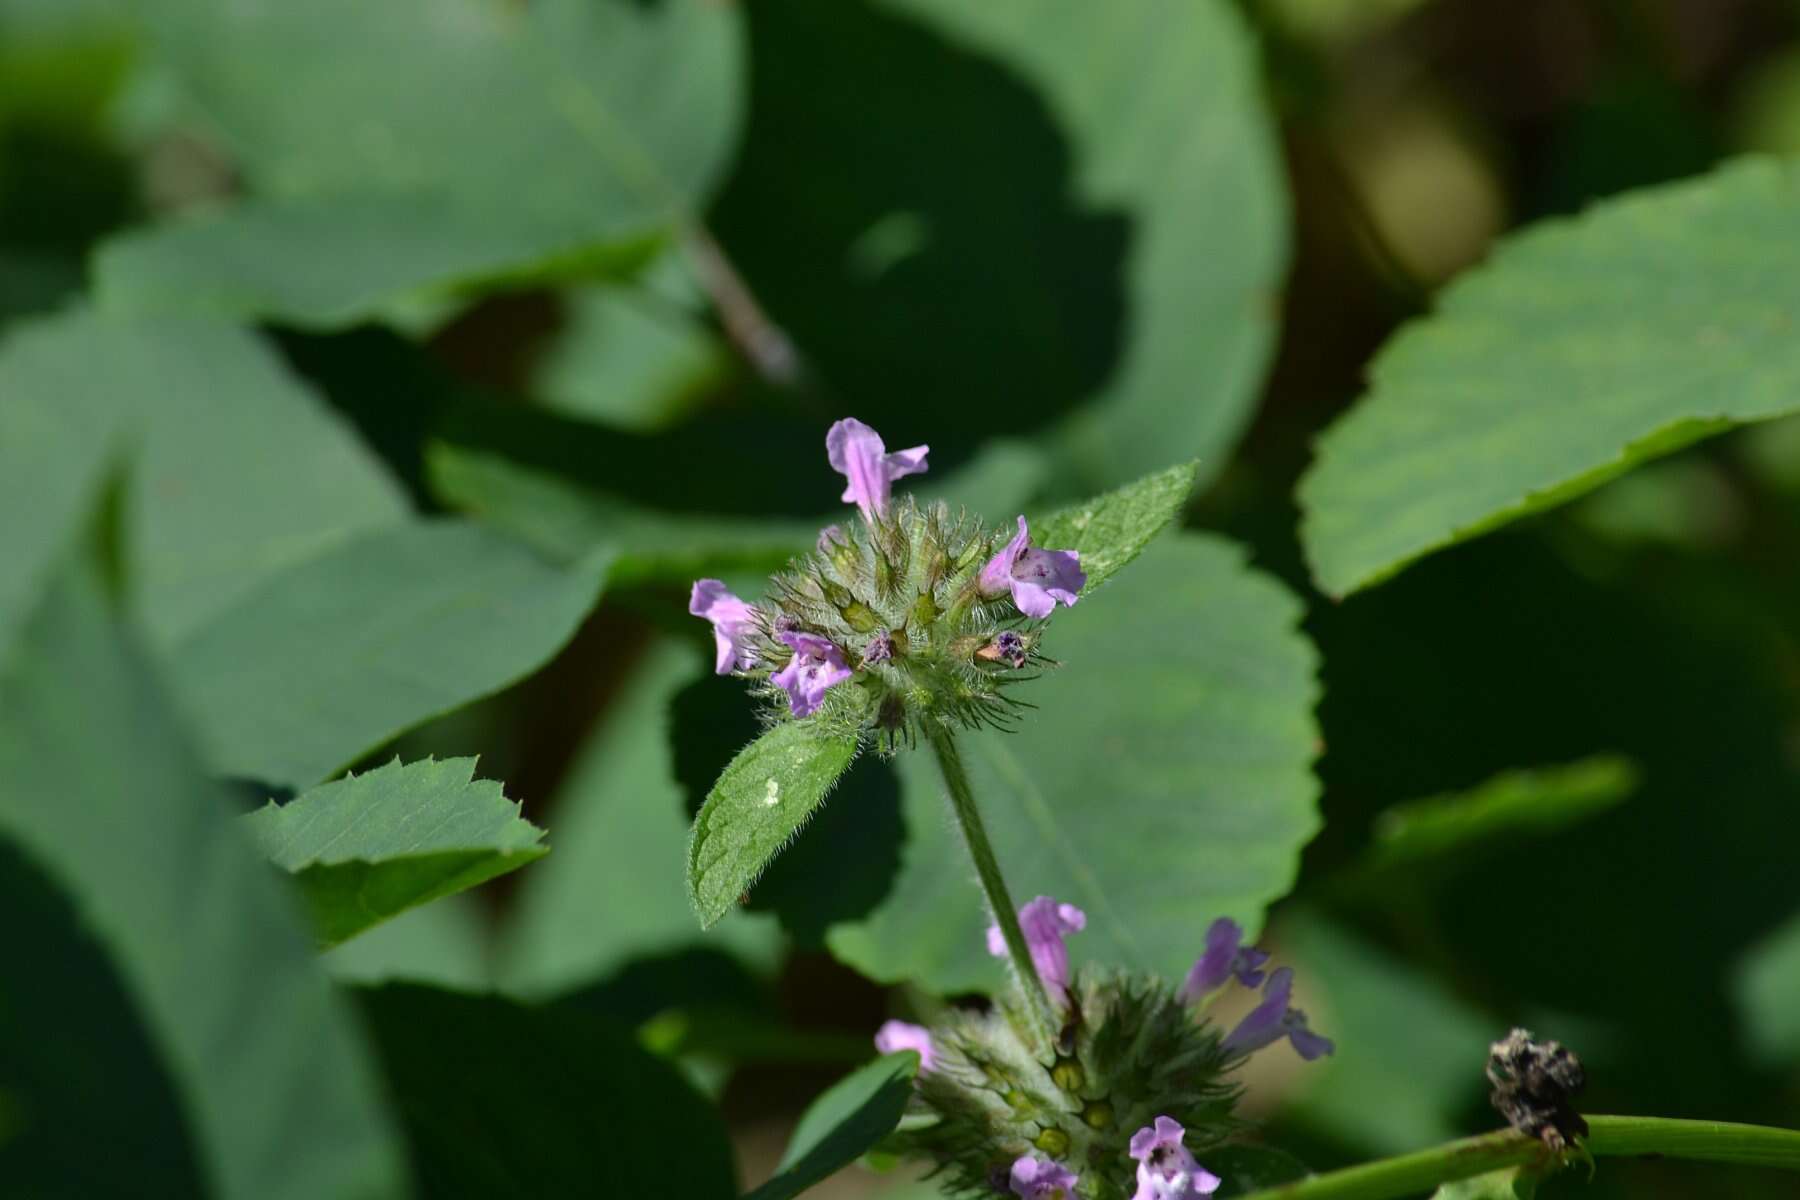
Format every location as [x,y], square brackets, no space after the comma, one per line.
[772,794]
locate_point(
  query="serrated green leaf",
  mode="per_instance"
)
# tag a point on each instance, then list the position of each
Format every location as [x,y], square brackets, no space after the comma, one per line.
[97,785]
[1162,780]
[332,658]
[760,802]
[1538,800]
[368,847]
[1584,347]
[501,1099]
[1113,529]
[621,116]
[621,840]
[842,1124]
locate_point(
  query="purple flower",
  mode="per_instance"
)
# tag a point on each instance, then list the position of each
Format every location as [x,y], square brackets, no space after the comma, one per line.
[1044,922]
[1226,956]
[1273,1019]
[1037,579]
[858,454]
[880,649]
[1166,1170]
[899,1035]
[733,621]
[817,665]
[1035,1178]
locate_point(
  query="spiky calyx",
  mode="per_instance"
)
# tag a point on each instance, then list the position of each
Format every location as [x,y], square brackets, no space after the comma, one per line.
[1128,1052]
[901,598]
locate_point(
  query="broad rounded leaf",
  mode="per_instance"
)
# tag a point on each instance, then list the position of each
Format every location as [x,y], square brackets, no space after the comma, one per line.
[1186,794]
[1208,212]
[501,1099]
[1135,139]
[97,785]
[532,140]
[329,660]
[760,802]
[1584,347]
[368,847]
[327,262]
[240,470]
[843,1123]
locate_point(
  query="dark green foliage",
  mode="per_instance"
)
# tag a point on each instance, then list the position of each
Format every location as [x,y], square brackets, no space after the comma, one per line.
[500,1099]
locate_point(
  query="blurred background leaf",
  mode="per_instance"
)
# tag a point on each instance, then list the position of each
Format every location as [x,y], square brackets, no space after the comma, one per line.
[843,1124]
[1584,348]
[330,660]
[1050,250]
[214,958]
[500,1099]
[386,148]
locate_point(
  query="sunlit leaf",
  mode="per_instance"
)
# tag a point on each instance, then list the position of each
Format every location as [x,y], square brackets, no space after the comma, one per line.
[760,802]
[1111,530]
[1584,347]
[368,847]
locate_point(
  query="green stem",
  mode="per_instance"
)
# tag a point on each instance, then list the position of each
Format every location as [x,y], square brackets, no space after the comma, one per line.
[987,867]
[1410,1174]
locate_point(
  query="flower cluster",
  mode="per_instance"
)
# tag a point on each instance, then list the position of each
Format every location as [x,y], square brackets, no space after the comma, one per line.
[901,616]
[1122,1102]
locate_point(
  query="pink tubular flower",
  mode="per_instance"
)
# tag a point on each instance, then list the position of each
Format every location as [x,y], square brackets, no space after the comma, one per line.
[900,1035]
[1044,923]
[1273,1019]
[1035,1178]
[858,454]
[732,620]
[1226,956]
[1166,1170]
[1037,579]
[817,665]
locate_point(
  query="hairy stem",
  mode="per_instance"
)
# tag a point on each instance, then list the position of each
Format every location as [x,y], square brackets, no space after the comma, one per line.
[987,867]
[1422,1170]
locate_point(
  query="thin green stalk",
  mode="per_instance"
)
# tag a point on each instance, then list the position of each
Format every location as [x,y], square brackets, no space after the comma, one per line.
[987,867]
[1608,1137]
